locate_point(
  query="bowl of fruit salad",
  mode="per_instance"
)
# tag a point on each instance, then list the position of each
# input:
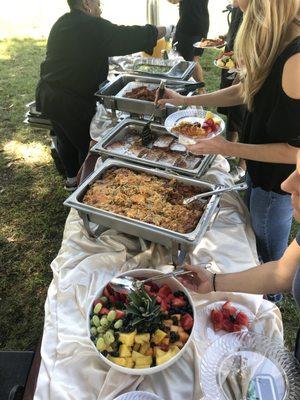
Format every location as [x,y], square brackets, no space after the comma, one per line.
[143,331]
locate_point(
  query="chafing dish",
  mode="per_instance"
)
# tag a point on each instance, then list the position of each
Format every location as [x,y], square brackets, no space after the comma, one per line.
[109,93]
[168,238]
[127,125]
[176,69]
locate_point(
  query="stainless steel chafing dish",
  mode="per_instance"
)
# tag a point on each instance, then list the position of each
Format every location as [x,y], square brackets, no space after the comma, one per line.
[171,239]
[127,125]
[109,93]
[177,69]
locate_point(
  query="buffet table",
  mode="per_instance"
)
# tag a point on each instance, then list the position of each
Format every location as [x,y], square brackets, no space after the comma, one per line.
[71,368]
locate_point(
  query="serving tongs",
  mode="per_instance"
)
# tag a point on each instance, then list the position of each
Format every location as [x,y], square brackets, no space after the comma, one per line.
[127,283]
[147,137]
[222,189]
[185,88]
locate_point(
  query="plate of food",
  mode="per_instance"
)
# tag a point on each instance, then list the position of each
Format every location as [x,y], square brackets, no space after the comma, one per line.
[222,317]
[144,331]
[210,43]
[245,365]
[225,61]
[192,125]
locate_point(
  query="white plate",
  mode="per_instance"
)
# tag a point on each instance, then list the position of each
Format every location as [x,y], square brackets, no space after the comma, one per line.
[205,327]
[265,362]
[190,115]
[197,45]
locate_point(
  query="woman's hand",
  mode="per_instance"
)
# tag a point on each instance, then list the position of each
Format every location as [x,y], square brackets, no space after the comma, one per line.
[216,145]
[171,97]
[200,281]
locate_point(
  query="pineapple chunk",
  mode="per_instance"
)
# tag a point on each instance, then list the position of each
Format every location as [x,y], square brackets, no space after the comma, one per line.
[118,360]
[136,355]
[209,115]
[144,348]
[145,360]
[127,338]
[129,362]
[168,322]
[158,336]
[159,352]
[136,347]
[142,366]
[142,338]
[175,328]
[167,355]
[125,351]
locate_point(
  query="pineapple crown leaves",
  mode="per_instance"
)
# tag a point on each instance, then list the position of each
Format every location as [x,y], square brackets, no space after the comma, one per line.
[142,307]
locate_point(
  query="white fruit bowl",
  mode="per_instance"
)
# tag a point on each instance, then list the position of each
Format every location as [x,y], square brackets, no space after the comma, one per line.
[174,285]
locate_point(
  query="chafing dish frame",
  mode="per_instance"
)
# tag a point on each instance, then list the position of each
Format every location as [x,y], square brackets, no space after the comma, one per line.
[170,239]
[108,91]
[117,133]
[187,68]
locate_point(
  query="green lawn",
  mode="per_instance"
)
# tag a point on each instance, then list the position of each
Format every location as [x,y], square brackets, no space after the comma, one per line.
[31,212]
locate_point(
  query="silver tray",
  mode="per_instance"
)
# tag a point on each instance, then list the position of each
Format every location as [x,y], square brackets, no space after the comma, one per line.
[179,69]
[120,130]
[134,227]
[109,94]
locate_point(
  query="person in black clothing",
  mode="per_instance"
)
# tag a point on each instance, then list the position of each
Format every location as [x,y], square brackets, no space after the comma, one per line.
[235,114]
[193,25]
[269,57]
[78,48]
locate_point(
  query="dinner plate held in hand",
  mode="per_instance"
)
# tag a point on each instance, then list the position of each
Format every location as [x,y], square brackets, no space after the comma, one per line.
[198,45]
[244,365]
[190,115]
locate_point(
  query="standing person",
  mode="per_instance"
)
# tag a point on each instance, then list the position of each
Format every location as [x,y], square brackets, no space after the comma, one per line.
[193,25]
[235,115]
[268,51]
[279,275]
[78,48]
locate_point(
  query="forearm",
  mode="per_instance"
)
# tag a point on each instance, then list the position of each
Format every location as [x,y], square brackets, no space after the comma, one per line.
[272,277]
[272,152]
[228,97]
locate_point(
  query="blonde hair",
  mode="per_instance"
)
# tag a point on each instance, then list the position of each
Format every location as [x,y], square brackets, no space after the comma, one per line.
[260,40]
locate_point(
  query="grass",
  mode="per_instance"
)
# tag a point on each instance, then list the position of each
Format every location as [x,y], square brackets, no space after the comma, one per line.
[31,212]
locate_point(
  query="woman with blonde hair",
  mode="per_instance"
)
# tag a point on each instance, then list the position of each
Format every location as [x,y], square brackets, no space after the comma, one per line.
[268,52]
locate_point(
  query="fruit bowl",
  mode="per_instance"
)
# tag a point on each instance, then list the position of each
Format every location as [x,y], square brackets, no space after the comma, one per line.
[142,347]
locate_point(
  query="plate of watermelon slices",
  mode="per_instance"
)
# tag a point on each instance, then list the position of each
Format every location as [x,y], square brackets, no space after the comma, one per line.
[222,317]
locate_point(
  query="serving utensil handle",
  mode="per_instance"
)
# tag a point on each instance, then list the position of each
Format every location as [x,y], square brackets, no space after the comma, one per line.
[240,186]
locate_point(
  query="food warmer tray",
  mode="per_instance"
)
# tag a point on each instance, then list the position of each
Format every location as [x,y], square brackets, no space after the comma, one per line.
[170,239]
[108,93]
[179,69]
[121,129]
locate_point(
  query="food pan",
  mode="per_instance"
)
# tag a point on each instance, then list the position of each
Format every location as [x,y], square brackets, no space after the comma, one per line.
[109,93]
[168,238]
[176,69]
[127,125]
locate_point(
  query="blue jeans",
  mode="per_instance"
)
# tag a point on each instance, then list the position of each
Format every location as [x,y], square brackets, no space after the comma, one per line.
[271,217]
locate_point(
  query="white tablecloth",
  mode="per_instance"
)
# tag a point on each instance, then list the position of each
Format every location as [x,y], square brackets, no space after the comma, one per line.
[70,367]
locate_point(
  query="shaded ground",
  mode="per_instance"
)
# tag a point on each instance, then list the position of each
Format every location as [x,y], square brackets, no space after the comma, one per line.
[31,212]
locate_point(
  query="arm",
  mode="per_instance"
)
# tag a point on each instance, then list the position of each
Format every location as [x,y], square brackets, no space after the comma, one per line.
[118,40]
[272,152]
[272,277]
[228,97]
